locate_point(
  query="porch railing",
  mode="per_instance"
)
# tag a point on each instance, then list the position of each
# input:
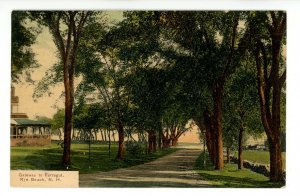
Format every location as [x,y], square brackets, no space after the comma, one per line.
[30,136]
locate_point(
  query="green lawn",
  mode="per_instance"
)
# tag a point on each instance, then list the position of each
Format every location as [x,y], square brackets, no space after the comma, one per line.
[49,158]
[230,176]
[259,156]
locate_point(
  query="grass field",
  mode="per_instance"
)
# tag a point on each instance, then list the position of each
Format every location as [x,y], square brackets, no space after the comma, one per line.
[230,176]
[49,158]
[259,156]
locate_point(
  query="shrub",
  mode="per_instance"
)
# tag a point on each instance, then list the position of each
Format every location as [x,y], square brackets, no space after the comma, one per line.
[134,148]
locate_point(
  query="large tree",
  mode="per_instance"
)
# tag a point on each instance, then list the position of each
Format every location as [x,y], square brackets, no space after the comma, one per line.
[267,32]
[66,28]
[206,42]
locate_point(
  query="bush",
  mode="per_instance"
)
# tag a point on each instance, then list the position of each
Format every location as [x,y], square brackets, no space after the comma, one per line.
[134,148]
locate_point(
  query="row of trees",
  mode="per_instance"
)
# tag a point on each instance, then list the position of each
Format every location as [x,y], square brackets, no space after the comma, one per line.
[154,71]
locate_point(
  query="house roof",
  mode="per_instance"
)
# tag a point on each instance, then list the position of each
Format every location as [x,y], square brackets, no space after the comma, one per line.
[13,122]
[28,122]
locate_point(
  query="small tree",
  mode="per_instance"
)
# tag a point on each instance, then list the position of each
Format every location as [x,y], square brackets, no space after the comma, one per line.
[87,118]
[57,122]
[241,106]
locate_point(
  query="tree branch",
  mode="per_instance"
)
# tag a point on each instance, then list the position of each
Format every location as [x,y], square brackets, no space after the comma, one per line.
[282,79]
[282,26]
[274,19]
[262,93]
[55,28]
[230,57]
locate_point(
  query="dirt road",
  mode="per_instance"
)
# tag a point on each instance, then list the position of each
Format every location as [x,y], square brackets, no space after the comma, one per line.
[174,170]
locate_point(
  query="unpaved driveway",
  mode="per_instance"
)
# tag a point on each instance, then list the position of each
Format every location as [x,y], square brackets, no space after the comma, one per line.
[174,170]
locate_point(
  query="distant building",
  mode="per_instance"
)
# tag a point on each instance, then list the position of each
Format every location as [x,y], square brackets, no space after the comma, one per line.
[14,106]
[24,131]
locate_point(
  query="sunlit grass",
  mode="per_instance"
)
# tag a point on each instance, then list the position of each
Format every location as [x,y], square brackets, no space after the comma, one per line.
[230,176]
[49,158]
[260,156]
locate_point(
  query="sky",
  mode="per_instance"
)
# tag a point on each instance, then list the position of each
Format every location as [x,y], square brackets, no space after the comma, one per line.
[45,54]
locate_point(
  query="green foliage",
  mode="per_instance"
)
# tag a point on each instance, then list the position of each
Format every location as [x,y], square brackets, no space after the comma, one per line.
[147,86]
[58,121]
[22,38]
[241,105]
[283,114]
[44,119]
[135,149]
[136,37]
[53,77]
[89,117]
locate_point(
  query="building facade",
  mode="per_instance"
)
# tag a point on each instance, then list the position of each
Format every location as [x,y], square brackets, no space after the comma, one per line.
[24,131]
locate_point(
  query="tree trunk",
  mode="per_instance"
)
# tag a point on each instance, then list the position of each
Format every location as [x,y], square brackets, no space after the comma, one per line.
[107,133]
[228,154]
[59,133]
[240,149]
[90,134]
[160,136]
[210,135]
[101,135]
[150,146]
[151,141]
[154,141]
[114,136]
[73,134]
[109,144]
[104,134]
[174,141]
[209,144]
[276,172]
[95,132]
[165,142]
[68,125]
[139,137]
[217,98]
[204,158]
[121,149]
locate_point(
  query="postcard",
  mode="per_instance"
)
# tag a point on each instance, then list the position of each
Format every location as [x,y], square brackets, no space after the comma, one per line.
[177,99]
